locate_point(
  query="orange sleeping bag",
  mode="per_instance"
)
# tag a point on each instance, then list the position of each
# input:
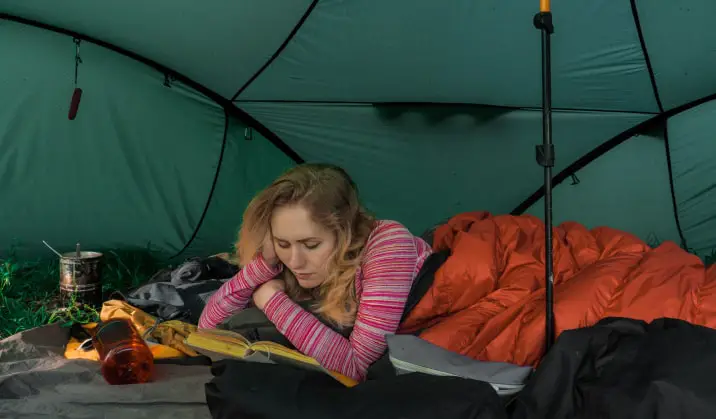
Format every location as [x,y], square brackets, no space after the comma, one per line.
[487,301]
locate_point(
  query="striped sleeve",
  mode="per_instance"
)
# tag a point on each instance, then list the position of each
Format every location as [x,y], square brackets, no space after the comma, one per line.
[236,293]
[391,260]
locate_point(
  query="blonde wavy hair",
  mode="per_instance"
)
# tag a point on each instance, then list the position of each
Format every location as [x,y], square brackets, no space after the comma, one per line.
[331,197]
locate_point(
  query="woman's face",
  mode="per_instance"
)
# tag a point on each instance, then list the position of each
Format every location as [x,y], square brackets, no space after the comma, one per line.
[302,245]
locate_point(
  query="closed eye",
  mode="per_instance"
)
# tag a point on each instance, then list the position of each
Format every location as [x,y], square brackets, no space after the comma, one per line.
[312,246]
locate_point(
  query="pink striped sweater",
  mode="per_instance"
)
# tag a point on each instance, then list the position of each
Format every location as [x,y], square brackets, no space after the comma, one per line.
[391,262]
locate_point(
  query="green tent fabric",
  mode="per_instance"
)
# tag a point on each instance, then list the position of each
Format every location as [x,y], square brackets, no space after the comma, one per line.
[188,109]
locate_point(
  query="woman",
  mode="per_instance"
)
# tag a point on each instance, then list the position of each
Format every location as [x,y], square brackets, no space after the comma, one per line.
[306,237]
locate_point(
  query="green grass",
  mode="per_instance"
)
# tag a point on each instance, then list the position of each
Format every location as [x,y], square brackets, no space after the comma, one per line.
[29,290]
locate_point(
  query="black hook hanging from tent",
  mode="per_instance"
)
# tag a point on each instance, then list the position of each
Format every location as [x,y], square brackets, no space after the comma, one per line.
[575,179]
[77,94]
[545,157]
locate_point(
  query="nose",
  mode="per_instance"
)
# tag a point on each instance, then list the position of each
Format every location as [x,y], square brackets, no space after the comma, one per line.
[297,259]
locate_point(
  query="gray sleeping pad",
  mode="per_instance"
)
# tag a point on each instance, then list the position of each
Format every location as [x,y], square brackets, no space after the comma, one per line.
[409,353]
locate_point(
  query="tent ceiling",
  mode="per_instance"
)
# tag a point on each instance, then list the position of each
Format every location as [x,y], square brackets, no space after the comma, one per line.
[483,52]
[219,44]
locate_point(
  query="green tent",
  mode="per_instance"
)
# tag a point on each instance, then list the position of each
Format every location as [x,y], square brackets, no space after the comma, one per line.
[189,108]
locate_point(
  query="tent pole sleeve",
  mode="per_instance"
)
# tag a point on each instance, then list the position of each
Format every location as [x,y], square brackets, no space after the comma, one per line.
[545,158]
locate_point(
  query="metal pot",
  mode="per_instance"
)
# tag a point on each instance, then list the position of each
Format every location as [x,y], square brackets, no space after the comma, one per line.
[81,278]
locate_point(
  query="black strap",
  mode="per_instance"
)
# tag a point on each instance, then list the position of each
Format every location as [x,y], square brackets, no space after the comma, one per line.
[424,280]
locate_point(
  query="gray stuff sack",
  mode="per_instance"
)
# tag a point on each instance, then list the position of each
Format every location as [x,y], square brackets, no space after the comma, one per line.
[409,354]
[181,293]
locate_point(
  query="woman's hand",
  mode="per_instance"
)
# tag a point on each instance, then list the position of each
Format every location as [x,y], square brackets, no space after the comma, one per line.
[264,292]
[268,251]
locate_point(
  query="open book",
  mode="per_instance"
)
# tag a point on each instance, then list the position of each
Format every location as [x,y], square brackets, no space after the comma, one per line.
[222,344]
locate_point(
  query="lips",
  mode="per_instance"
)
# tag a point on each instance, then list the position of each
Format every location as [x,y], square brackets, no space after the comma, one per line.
[303,276]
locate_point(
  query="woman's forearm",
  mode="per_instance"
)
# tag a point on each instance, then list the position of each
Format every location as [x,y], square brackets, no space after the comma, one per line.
[236,293]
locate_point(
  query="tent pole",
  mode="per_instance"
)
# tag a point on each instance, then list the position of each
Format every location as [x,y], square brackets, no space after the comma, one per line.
[545,158]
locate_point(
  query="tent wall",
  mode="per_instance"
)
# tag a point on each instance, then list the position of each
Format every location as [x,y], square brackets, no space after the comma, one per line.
[136,166]
[250,163]
[421,164]
[321,75]
[630,186]
[692,141]
[620,191]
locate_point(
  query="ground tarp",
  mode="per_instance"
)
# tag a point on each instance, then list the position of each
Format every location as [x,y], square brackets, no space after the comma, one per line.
[37,381]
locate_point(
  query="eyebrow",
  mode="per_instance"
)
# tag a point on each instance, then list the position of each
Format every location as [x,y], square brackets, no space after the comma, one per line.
[308,239]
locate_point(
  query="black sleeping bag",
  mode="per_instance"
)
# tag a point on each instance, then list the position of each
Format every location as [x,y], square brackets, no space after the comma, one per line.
[244,390]
[625,369]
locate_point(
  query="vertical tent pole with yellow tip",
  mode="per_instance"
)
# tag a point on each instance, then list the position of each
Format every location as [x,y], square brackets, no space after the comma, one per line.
[545,158]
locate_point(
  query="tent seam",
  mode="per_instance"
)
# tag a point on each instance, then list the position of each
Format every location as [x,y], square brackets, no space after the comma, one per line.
[645,53]
[223,102]
[672,188]
[279,50]
[212,189]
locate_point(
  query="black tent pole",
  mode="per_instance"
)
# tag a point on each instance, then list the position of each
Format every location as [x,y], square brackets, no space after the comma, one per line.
[545,158]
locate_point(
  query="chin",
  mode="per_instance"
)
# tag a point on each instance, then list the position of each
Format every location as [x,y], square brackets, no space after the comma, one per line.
[308,284]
